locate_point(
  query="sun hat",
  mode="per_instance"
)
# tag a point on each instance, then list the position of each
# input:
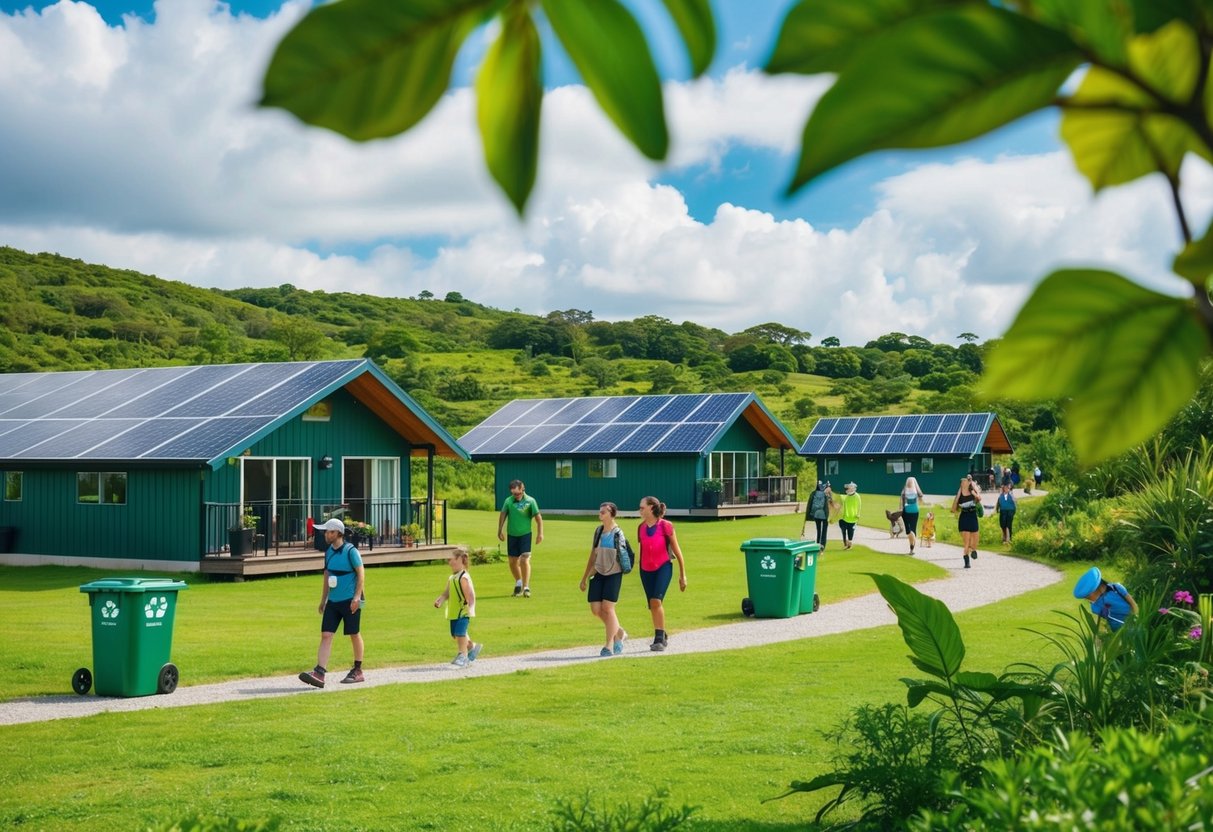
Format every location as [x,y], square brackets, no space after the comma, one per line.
[849,487]
[331,525]
[1088,582]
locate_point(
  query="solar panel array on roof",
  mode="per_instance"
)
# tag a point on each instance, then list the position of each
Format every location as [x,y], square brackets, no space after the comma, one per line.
[684,423]
[946,433]
[186,414]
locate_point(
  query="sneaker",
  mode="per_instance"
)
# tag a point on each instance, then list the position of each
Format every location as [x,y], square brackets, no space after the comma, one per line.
[312,678]
[604,652]
[526,592]
[460,661]
[657,646]
[517,590]
[355,675]
[474,652]
[618,648]
[973,554]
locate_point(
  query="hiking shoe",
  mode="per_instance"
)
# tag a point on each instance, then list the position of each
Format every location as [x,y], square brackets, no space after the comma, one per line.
[657,646]
[526,592]
[474,652]
[460,661]
[310,677]
[517,591]
[605,652]
[973,554]
[354,676]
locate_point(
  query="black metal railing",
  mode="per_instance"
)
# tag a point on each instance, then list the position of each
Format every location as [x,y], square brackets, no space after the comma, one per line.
[286,524]
[711,493]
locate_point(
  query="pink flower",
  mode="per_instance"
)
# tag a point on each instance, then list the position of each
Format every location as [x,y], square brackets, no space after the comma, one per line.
[1163,611]
[1196,634]
[1183,597]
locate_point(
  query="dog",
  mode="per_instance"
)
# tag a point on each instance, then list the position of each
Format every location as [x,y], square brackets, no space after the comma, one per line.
[896,527]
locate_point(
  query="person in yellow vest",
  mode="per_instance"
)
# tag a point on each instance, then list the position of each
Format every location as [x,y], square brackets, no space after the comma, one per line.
[849,513]
[460,599]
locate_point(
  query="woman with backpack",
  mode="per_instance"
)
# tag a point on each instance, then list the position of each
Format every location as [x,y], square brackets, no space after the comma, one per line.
[658,544]
[820,503]
[604,577]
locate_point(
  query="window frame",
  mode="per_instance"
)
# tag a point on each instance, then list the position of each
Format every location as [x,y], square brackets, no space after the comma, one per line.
[607,468]
[898,465]
[564,468]
[20,480]
[103,487]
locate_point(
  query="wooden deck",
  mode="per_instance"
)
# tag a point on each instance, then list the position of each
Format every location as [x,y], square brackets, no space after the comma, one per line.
[746,510]
[296,560]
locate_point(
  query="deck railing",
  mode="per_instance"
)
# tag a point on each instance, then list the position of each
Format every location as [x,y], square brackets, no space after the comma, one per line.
[284,523]
[744,491]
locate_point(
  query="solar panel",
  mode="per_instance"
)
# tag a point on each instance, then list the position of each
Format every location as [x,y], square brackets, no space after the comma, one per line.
[679,409]
[235,391]
[609,410]
[824,427]
[812,445]
[930,424]
[199,442]
[51,403]
[477,436]
[508,413]
[975,422]
[132,387]
[968,443]
[569,440]
[536,439]
[876,444]
[15,442]
[606,439]
[44,385]
[572,414]
[886,424]
[688,437]
[718,407]
[942,443]
[855,442]
[645,437]
[845,426]
[296,389]
[833,444]
[504,438]
[899,443]
[908,424]
[866,425]
[952,423]
[79,439]
[542,411]
[139,439]
[920,443]
[644,408]
[168,396]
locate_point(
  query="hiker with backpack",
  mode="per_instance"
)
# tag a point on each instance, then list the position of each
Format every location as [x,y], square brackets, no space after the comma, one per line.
[341,602]
[610,558]
[821,501]
[658,544]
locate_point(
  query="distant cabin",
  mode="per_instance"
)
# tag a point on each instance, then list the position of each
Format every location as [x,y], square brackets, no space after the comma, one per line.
[877,453]
[157,467]
[701,454]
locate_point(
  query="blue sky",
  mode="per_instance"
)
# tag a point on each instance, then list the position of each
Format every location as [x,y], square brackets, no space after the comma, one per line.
[134,142]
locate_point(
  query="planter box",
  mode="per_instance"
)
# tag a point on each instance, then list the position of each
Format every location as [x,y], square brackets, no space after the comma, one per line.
[240,542]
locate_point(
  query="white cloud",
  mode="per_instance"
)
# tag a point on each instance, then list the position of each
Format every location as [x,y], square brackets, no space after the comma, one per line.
[140,147]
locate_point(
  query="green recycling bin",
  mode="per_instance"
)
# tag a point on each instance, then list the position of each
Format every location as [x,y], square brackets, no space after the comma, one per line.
[807,555]
[774,576]
[132,636]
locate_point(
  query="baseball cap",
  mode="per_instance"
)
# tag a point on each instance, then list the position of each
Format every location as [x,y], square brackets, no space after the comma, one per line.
[331,525]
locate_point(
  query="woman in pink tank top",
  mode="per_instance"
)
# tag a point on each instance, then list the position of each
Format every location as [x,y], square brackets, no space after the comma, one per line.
[658,544]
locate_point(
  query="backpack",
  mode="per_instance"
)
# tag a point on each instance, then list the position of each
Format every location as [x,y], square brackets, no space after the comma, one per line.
[622,548]
[818,503]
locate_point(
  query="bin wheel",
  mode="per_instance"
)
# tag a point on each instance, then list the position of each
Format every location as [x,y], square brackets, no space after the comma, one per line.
[747,607]
[167,683]
[82,681]
[816,602]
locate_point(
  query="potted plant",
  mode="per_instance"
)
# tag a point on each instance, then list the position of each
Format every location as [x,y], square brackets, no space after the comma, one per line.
[240,536]
[410,533]
[358,533]
[711,492]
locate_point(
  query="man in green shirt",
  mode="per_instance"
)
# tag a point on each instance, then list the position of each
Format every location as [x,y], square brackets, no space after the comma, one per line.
[519,509]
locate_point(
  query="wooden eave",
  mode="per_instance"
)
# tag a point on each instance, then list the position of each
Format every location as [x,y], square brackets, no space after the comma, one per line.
[388,407]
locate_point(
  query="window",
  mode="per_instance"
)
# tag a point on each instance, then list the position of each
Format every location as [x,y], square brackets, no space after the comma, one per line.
[101,488]
[12,486]
[734,465]
[897,466]
[928,465]
[831,468]
[602,469]
[564,469]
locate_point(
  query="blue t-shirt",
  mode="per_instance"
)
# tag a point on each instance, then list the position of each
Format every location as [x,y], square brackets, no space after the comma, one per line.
[1112,606]
[911,499]
[1006,502]
[346,560]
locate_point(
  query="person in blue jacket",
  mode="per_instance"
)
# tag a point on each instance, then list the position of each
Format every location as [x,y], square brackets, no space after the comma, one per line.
[1111,602]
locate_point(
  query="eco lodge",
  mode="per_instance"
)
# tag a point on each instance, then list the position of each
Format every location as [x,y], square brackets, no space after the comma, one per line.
[701,454]
[216,468]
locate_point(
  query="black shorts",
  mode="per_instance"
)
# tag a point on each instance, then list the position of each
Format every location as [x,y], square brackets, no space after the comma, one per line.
[518,545]
[968,521]
[605,587]
[339,611]
[657,582]
[910,521]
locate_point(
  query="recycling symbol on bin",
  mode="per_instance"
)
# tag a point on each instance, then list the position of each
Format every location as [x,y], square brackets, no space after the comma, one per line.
[156,607]
[768,562]
[109,610]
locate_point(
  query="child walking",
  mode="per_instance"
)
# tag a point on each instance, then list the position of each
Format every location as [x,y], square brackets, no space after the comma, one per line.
[460,599]
[928,530]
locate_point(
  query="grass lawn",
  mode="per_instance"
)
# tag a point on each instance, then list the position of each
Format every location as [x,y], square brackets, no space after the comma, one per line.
[270,626]
[722,731]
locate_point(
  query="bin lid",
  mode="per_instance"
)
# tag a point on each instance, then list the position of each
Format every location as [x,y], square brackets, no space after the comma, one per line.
[133,585]
[779,544]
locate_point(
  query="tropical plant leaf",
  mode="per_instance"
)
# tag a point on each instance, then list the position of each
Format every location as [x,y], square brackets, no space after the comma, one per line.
[927,626]
[608,47]
[1116,134]
[1168,60]
[936,79]
[823,35]
[698,29]
[509,97]
[1125,356]
[1149,15]
[1102,26]
[369,69]
[977,680]
[1195,262]
[918,690]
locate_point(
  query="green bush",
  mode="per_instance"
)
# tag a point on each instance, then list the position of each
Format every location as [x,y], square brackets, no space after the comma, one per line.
[469,499]
[652,815]
[1126,780]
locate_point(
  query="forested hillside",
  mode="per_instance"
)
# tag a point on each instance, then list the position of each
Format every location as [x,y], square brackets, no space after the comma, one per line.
[462,360]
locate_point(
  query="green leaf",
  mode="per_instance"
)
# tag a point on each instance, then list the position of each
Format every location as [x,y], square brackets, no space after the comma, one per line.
[509,97]
[1103,26]
[1125,357]
[1152,14]
[823,35]
[608,48]
[918,690]
[698,29]
[979,681]
[369,69]
[1168,60]
[1195,262]
[1116,134]
[926,625]
[934,80]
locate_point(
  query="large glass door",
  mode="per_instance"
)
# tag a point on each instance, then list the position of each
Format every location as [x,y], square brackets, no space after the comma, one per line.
[371,489]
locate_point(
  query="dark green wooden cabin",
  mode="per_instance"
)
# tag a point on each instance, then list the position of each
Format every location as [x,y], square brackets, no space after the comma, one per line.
[700,454]
[878,453]
[153,467]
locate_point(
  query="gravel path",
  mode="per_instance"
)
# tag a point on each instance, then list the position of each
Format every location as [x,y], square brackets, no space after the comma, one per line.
[992,578]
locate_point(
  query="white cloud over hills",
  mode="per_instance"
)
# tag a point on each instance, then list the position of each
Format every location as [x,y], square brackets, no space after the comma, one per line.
[139,147]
